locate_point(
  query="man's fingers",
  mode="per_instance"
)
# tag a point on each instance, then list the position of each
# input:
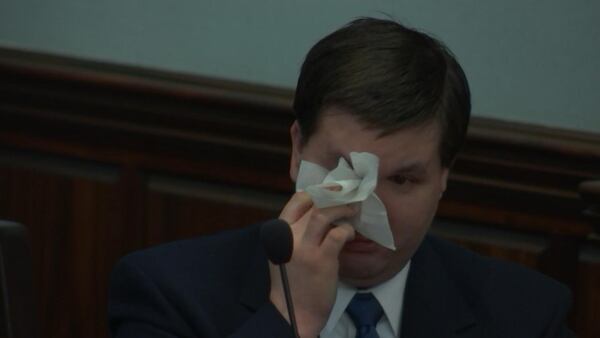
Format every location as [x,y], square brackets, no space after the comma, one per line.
[299,205]
[317,225]
[337,237]
[296,207]
[321,221]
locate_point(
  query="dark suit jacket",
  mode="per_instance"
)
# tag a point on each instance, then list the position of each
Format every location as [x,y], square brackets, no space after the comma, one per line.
[218,286]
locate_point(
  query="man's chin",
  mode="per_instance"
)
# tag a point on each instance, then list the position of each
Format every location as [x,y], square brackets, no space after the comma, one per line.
[363,263]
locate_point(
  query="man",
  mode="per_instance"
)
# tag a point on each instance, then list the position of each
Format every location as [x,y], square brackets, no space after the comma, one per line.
[378,87]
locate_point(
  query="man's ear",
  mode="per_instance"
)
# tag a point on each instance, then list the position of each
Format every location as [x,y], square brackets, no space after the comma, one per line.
[296,150]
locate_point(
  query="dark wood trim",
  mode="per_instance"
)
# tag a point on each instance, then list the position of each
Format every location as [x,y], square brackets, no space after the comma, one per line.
[158,132]
[590,192]
[47,101]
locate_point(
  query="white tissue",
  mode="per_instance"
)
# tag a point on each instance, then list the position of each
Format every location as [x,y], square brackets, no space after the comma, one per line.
[357,182]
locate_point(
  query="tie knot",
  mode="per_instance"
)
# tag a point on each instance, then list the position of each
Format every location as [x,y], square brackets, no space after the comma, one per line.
[364,310]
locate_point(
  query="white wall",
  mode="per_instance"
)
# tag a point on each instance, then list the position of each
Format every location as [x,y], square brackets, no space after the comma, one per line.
[527,60]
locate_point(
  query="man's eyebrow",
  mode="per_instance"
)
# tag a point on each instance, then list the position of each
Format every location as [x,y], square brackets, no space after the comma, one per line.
[417,168]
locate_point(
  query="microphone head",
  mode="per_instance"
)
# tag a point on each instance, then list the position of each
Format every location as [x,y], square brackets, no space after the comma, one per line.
[278,241]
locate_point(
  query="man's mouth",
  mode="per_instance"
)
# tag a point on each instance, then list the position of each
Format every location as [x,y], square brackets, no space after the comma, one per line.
[360,244]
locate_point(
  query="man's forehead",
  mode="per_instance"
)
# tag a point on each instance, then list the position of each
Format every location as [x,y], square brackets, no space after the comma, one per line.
[410,148]
[347,127]
[333,116]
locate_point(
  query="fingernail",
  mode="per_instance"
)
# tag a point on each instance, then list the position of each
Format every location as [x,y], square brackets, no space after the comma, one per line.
[333,187]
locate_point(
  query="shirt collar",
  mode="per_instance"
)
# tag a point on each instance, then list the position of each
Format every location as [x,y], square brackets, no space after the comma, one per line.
[390,294]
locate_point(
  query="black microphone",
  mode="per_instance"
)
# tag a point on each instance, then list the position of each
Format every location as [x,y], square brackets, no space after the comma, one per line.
[278,241]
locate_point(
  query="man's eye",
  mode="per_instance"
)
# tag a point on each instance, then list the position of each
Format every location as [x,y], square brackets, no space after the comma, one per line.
[400,180]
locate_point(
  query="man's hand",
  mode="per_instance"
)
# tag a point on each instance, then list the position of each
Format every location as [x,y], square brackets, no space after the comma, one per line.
[319,236]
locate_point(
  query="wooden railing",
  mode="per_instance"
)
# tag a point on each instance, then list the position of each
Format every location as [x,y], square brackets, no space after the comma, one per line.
[99,160]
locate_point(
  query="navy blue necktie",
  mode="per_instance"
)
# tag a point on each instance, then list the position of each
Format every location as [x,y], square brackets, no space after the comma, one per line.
[365,312]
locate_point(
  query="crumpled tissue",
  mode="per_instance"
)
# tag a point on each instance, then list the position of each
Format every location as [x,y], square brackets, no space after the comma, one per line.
[357,181]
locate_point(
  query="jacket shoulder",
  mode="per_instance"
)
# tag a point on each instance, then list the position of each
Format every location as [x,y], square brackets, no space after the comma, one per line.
[213,286]
[504,294]
[210,254]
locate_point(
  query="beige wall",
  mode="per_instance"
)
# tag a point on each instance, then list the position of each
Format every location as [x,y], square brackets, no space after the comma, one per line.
[530,61]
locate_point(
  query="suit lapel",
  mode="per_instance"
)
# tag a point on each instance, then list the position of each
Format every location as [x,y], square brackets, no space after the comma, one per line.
[433,306]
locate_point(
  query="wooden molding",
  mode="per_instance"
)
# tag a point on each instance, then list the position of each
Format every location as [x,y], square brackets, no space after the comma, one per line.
[590,192]
[102,159]
[509,174]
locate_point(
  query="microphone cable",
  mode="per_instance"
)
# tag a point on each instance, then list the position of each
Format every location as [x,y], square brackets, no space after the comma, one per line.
[278,241]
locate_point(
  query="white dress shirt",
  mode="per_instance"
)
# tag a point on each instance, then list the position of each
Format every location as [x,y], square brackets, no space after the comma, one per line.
[390,294]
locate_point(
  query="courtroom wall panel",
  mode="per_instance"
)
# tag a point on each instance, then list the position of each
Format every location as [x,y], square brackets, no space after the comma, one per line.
[180,208]
[99,160]
[587,302]
[74,213]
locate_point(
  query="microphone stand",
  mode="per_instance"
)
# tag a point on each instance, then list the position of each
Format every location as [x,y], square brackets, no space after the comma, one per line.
[278,241]
[288,299]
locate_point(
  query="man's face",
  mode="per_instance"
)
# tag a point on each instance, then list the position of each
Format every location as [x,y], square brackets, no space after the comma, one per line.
[411,182]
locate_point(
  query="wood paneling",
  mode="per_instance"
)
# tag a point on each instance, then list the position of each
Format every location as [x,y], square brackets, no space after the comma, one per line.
[587,301]
[180,208]
[99,160]
[71,219]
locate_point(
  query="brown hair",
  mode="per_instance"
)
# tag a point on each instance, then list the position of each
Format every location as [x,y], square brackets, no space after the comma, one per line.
[389,77]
